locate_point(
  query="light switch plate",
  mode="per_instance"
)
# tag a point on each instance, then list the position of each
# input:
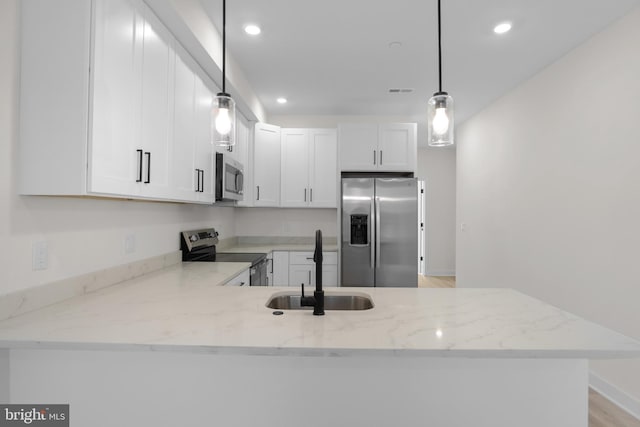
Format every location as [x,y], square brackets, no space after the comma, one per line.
[40,256]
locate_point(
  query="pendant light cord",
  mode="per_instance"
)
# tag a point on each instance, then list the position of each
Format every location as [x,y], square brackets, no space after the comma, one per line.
[224,43]
[439,52]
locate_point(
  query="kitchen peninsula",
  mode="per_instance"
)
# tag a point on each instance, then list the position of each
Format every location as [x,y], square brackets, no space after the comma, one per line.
[174,348]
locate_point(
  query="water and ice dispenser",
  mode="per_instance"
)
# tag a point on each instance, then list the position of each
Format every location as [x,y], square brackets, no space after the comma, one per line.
[359,230]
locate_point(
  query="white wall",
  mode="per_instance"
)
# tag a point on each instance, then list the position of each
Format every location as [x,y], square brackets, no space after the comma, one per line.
[549,190]
[437,167]
[83,235]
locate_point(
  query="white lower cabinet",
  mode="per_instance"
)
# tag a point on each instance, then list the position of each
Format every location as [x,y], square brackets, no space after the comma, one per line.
[242,279]
[302,269]
[280,268]
[293,268]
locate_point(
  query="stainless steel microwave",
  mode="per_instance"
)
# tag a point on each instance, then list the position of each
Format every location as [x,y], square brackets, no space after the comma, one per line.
[229,178]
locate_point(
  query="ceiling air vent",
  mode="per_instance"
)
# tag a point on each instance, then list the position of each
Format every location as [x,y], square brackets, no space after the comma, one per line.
[400,90]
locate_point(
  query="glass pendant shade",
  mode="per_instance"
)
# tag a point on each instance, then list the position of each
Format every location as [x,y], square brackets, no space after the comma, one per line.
[223,123]
[440,120]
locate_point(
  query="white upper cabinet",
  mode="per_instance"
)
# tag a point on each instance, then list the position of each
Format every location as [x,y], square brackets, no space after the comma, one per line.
[157,107]
[358,147]
[243,155]
[323,168]
[107,107]
[205,164]
[266,171]
[397,147]
[378,147]
[184,174]
[116,157]
[295,168]
[309,174]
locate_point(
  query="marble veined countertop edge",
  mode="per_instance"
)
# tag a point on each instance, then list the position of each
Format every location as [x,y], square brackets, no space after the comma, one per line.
[184,308]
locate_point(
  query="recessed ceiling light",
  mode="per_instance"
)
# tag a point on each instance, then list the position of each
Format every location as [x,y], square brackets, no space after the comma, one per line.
[502,28]
[252,29]
[282,100]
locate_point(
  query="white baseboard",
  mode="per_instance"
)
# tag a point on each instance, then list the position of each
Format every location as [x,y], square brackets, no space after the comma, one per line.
[441,273]
[620,398]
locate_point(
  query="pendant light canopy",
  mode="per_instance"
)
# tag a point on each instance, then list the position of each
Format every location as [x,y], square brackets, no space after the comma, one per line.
[223,122]
[440,107]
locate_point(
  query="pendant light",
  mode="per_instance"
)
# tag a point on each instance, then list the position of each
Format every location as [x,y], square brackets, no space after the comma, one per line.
[440,107]
[224,107]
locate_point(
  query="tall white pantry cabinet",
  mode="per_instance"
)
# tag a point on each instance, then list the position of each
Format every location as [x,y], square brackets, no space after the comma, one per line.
[111,105]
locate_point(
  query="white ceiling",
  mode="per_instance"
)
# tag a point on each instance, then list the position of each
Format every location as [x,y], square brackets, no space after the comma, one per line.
[332,57]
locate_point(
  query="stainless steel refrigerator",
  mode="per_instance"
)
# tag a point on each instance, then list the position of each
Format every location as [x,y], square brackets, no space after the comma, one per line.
[379,232]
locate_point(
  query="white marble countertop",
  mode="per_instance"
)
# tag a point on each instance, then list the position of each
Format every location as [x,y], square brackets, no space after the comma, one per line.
[183,308]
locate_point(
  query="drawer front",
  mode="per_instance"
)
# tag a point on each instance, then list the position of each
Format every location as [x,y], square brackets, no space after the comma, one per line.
[303,258]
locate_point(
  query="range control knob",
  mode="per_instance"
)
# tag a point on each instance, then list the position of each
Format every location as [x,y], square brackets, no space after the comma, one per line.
[193,237]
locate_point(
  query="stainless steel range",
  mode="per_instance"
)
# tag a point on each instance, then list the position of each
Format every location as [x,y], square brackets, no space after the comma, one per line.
[200,246]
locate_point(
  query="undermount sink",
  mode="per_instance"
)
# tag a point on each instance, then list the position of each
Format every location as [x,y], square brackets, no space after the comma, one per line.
[331,302]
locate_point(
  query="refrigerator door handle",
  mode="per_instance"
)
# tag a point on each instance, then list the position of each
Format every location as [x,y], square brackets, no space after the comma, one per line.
[378,232]
[372,237]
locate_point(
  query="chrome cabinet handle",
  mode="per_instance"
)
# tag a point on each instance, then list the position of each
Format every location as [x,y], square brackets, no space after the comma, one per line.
[197,180]
[374,157]
[311,194]
[305,194]
[380,157]
[309,278]
[258,187]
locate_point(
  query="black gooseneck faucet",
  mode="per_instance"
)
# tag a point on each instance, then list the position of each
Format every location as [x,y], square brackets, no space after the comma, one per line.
[317,300]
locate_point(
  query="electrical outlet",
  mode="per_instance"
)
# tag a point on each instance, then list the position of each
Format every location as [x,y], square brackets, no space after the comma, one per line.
[40,255]
[129,244]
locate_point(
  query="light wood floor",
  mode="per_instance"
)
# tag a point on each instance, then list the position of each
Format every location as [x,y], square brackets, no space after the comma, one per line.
[602,412]
[436,281]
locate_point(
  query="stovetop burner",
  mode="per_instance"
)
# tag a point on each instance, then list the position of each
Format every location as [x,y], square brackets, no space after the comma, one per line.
[238,257]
